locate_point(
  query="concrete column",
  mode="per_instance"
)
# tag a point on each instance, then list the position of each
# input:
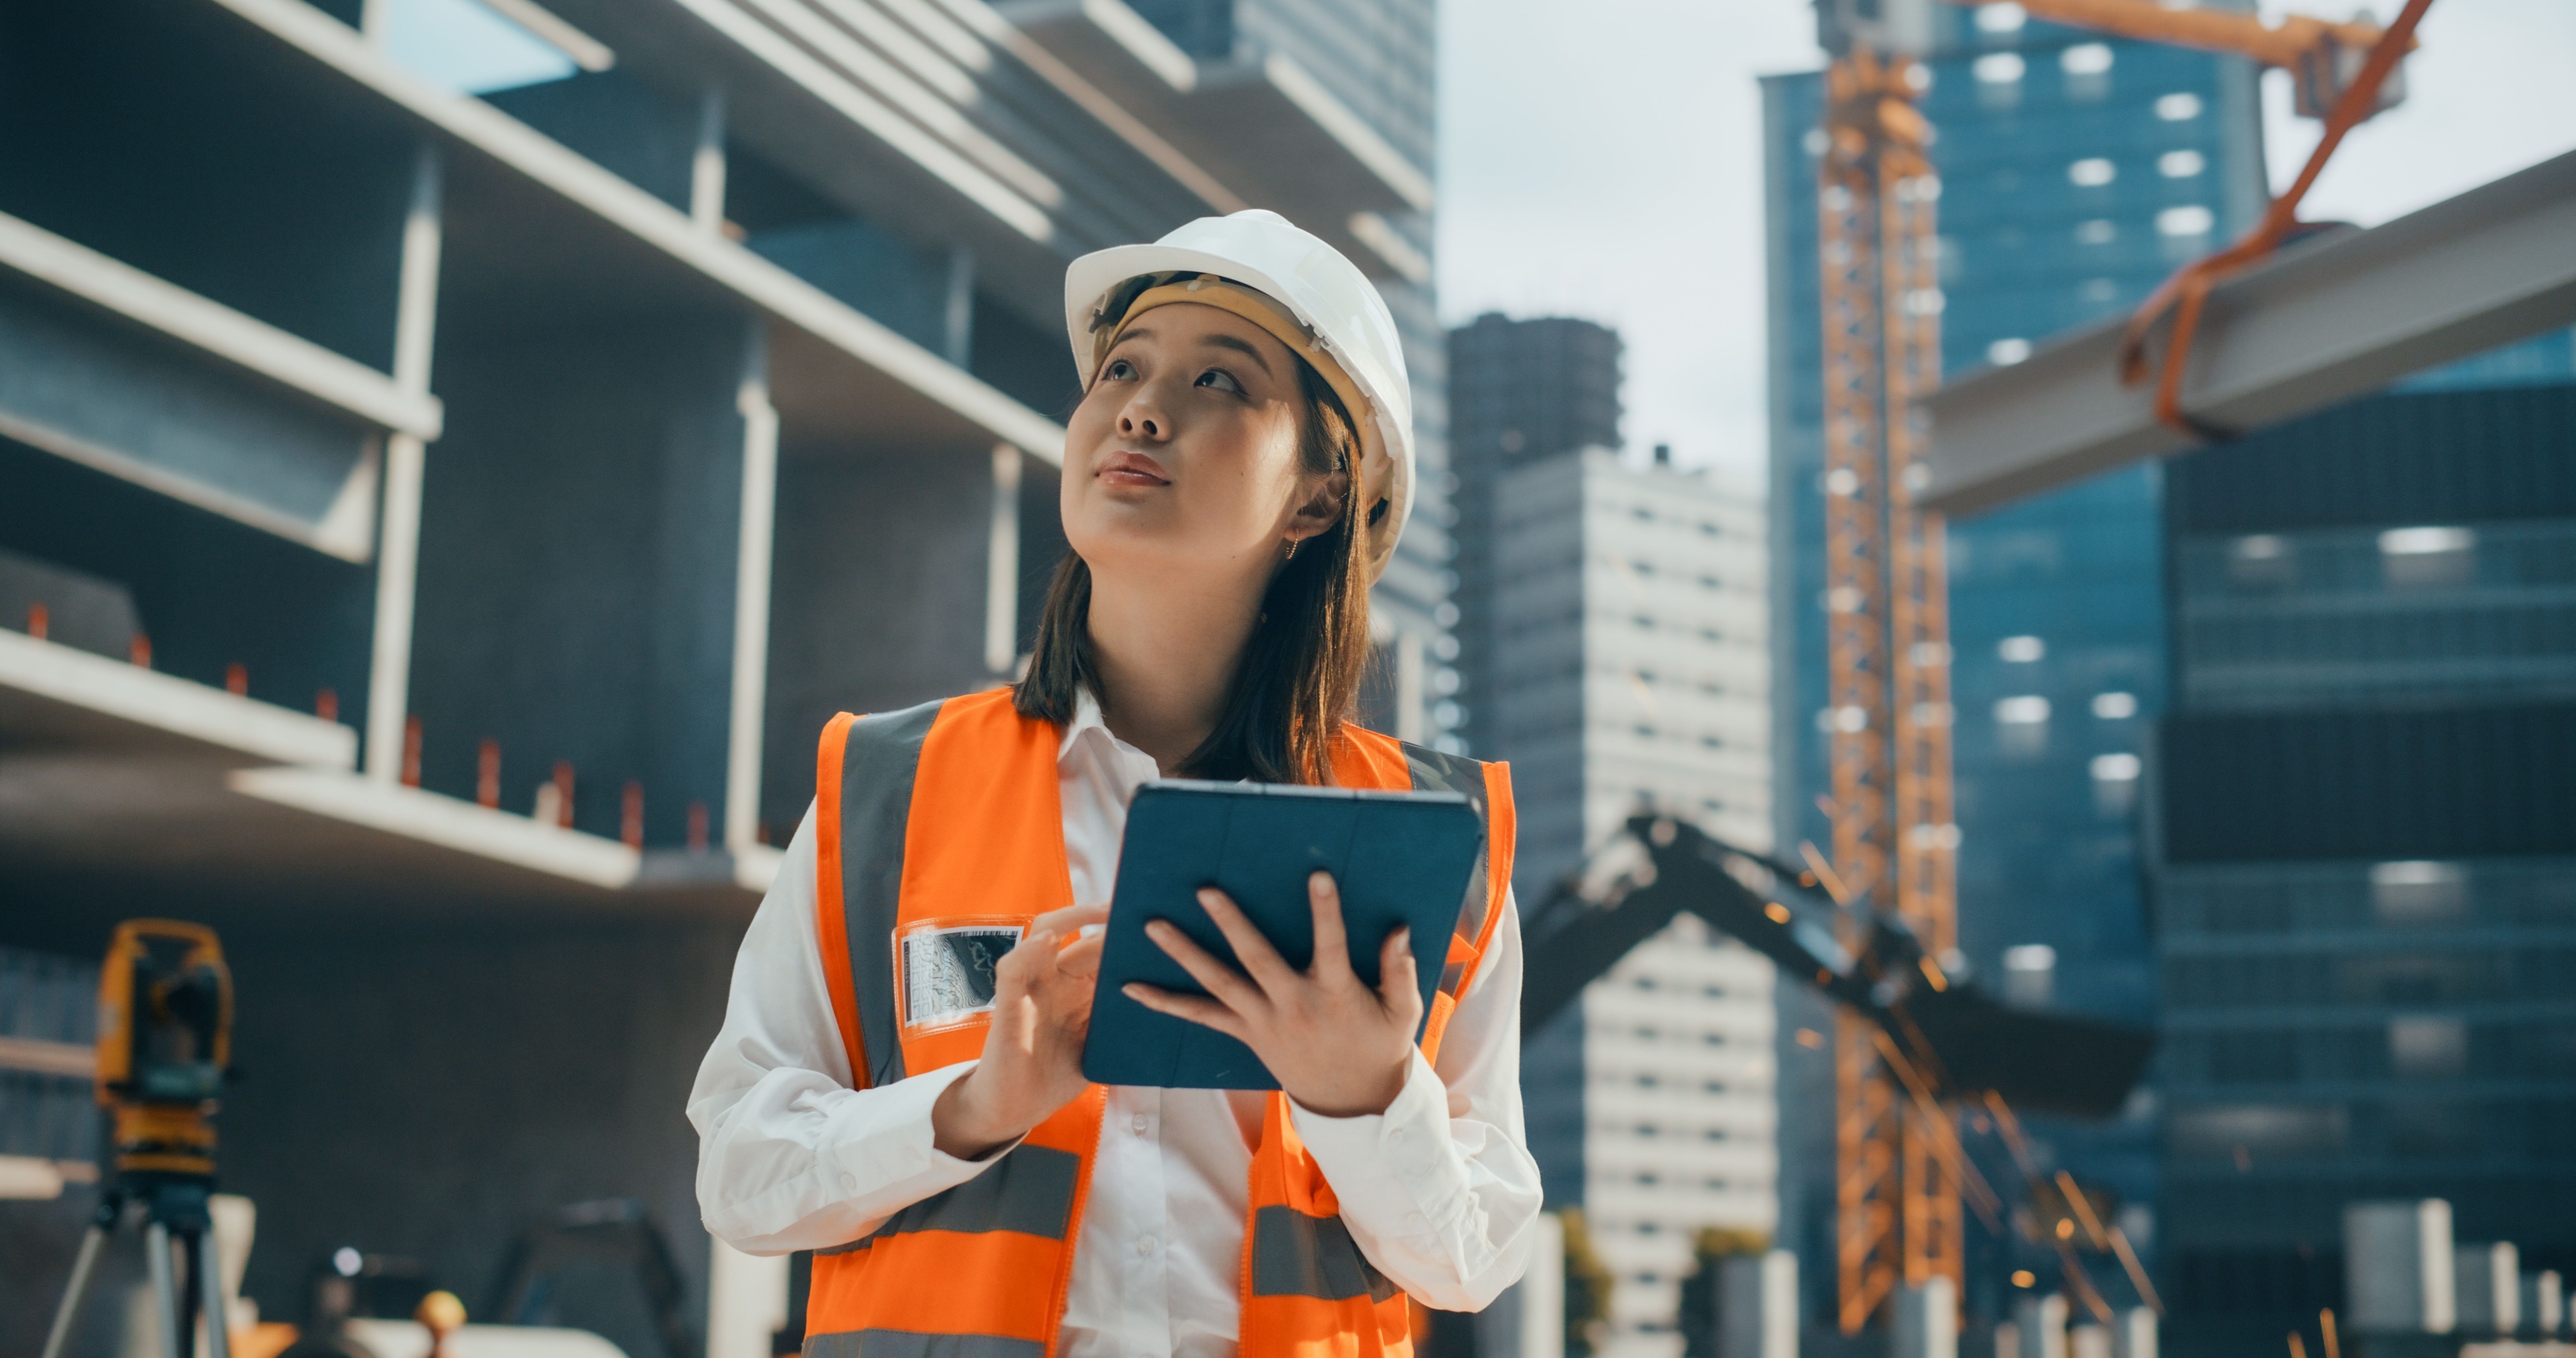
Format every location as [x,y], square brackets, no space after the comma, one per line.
[2088,1341]
[707,166]
[958,328]
[1927,1321]
[398,539]
[2398,1266]
[2544,1304]
[1757,1305]
[1002,567]
[2007,1339]
[1411,716]
[753,557]
[1542,1293]
[2487,1282]
[2040,1321]
[2133,1333]
[746,1301]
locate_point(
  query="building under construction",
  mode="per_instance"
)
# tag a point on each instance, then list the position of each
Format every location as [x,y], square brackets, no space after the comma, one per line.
[436,519]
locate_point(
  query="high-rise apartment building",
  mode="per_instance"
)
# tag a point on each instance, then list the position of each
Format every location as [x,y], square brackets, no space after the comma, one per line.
[2365,810]
[1629,673]
[2075,173]
[1519,392]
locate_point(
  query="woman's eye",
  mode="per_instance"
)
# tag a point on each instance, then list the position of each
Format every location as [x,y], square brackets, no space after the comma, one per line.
[1220,379]
[1121,370]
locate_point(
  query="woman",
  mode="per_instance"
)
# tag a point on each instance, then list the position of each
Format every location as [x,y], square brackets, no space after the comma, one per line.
[897,1086]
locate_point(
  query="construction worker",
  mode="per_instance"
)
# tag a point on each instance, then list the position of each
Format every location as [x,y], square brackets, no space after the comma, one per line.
[897,1087]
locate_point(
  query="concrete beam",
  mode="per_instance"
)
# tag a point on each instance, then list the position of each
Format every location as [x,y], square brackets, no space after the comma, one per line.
[217,331]
[54,695]
[857,368]
[119,774]
[1265,126]
[2323,322]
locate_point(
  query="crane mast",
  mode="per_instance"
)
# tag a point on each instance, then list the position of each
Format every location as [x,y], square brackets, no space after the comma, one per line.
[1887,657]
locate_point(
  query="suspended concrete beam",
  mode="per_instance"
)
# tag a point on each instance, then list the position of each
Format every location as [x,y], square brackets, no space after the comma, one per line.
[2330,320]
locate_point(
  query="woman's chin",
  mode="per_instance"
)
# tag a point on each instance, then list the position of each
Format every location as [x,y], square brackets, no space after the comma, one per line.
[1133,552]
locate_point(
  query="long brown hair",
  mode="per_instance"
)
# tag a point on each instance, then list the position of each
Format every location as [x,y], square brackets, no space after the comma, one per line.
[1299,674]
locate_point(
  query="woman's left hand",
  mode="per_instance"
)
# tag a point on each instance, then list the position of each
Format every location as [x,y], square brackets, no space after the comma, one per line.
[1337,1047]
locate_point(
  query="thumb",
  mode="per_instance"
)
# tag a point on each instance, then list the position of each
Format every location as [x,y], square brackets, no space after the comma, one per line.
[1399,980]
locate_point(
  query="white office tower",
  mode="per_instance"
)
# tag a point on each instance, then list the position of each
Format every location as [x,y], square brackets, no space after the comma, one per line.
[1632,674]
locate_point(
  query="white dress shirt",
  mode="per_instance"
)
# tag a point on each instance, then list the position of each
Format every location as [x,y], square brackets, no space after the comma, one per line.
[1439,1191]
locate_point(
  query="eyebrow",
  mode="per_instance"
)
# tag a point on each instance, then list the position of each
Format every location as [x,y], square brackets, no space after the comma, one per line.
[1230,342]
[1243,347]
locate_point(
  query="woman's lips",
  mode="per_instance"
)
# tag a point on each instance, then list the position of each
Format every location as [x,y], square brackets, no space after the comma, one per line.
[1129,469]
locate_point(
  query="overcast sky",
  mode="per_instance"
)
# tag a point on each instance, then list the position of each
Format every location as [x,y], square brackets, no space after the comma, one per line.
[1604,160]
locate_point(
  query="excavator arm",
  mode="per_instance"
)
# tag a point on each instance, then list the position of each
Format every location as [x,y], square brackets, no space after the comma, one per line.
[1960,1040]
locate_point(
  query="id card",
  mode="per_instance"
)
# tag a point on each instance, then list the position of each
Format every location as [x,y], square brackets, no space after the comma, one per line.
[947,969]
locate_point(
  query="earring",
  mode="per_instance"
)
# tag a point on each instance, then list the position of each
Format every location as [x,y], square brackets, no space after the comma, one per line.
[1292,549]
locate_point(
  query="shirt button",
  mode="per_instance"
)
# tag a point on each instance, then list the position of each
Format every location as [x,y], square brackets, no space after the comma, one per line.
[1395,1134]
[1140,1123]
[1144,1244]
[849,1182]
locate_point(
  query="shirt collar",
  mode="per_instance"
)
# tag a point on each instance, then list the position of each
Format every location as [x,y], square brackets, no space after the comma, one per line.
[1086,718]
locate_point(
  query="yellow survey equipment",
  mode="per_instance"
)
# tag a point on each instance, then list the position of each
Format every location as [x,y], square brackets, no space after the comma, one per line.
[165,1037]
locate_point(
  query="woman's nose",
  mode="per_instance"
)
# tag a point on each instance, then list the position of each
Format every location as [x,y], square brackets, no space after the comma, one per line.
[1138,421]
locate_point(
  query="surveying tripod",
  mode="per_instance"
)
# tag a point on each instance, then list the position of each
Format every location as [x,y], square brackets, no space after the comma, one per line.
[174,1213]
[165,1003]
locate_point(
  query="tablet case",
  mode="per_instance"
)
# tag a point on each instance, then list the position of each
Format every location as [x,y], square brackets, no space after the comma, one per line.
[1399,857]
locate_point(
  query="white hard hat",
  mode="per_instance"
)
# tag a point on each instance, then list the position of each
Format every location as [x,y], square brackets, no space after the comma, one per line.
[1350,334]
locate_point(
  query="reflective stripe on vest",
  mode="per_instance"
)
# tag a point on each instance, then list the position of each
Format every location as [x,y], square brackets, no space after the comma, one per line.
[939,836]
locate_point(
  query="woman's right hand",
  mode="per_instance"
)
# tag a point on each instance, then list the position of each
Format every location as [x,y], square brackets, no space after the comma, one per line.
[1032,1062]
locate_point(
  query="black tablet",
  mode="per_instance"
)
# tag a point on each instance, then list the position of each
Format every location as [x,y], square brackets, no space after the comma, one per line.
[1401,858]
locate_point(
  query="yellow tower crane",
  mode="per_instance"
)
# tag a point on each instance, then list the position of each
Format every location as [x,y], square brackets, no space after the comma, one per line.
[1895,841]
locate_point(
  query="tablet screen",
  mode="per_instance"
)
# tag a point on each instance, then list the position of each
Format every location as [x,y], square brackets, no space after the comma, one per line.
[1400,858]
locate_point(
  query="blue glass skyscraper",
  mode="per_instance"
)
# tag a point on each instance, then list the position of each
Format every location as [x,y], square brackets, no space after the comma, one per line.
[2364,858]
[2076,173]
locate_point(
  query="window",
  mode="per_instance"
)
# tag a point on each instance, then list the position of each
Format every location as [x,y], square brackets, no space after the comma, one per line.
[2416,892]
[2026,710]
[2021,650]
[2085,58]
[2115,706]
[2004,353]
[2189,220]
[2428,1048]
[2005,17]
[1998,68]
[2115,768]
[2178,108]
[2092,172]
[2418,557]
[2181,164]
[2099,231]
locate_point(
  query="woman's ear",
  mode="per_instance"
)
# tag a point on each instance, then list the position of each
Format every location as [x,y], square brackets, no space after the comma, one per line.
[1322,507]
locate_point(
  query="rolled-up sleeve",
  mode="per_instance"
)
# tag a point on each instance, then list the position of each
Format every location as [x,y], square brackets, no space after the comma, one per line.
[1439,1190]
[789,1156]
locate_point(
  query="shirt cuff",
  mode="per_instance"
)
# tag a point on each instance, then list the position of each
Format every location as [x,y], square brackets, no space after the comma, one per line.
[1388,1169]
[894,1143]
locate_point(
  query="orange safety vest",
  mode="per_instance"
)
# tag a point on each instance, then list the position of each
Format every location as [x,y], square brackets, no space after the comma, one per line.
[940,823]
